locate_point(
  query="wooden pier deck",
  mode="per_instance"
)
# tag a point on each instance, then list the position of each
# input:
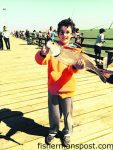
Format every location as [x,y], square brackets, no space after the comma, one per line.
[23,103]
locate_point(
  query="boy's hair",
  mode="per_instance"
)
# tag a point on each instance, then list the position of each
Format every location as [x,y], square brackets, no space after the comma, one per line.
[67,22]
[101,30]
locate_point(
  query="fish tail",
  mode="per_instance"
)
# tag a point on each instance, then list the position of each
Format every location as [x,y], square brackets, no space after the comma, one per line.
[106,73]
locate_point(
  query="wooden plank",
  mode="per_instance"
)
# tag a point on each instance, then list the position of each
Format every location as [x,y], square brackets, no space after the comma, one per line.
[79,134]
[36,109]
[23,88]
[42,92]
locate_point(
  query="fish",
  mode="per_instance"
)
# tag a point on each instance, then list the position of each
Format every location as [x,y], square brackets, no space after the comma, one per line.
[70,54]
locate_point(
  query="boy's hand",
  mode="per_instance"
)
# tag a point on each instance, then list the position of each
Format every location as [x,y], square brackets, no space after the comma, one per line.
[80,64]
[44,50]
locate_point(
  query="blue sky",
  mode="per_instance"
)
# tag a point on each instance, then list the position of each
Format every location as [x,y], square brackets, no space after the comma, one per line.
[41,14]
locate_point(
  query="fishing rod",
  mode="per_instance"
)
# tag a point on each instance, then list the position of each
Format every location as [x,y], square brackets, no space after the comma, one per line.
[110,25]
[96,27]
[107,30]
[103,25]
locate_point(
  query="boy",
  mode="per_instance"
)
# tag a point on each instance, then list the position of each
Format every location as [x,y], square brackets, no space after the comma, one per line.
[61,85]
[98,44]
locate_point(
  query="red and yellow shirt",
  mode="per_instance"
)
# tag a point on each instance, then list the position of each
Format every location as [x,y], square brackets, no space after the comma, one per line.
[61,78]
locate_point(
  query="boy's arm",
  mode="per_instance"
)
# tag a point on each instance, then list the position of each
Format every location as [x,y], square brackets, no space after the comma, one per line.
[42,56]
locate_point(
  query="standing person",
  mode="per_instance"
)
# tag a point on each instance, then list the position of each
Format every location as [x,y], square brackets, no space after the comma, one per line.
[40,38]
[49,33]
[82,38]
[16,34]
[98,45]
[27,34]
[6,35]
[34,35]
[61,84]
[53,34]
[1,41]
[77,36]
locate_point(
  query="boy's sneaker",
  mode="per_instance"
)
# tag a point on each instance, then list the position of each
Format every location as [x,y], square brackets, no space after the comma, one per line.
[65,140]
[49,138]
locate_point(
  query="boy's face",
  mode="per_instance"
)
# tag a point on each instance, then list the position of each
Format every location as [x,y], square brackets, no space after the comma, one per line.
[65,34]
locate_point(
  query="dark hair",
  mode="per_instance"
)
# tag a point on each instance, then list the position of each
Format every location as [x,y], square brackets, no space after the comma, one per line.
[77,29]
[4,28]
[51,28]
[67,22]
[102,30]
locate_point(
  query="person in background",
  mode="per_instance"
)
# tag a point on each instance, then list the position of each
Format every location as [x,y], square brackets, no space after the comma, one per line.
[98,45]
[27,34]
[53,34]
[6,35]
[49,33]
[34,35]
[61,84]
[40,38]
[77,37]
[82,38]
[16,34]
[45,38]
[1,41]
